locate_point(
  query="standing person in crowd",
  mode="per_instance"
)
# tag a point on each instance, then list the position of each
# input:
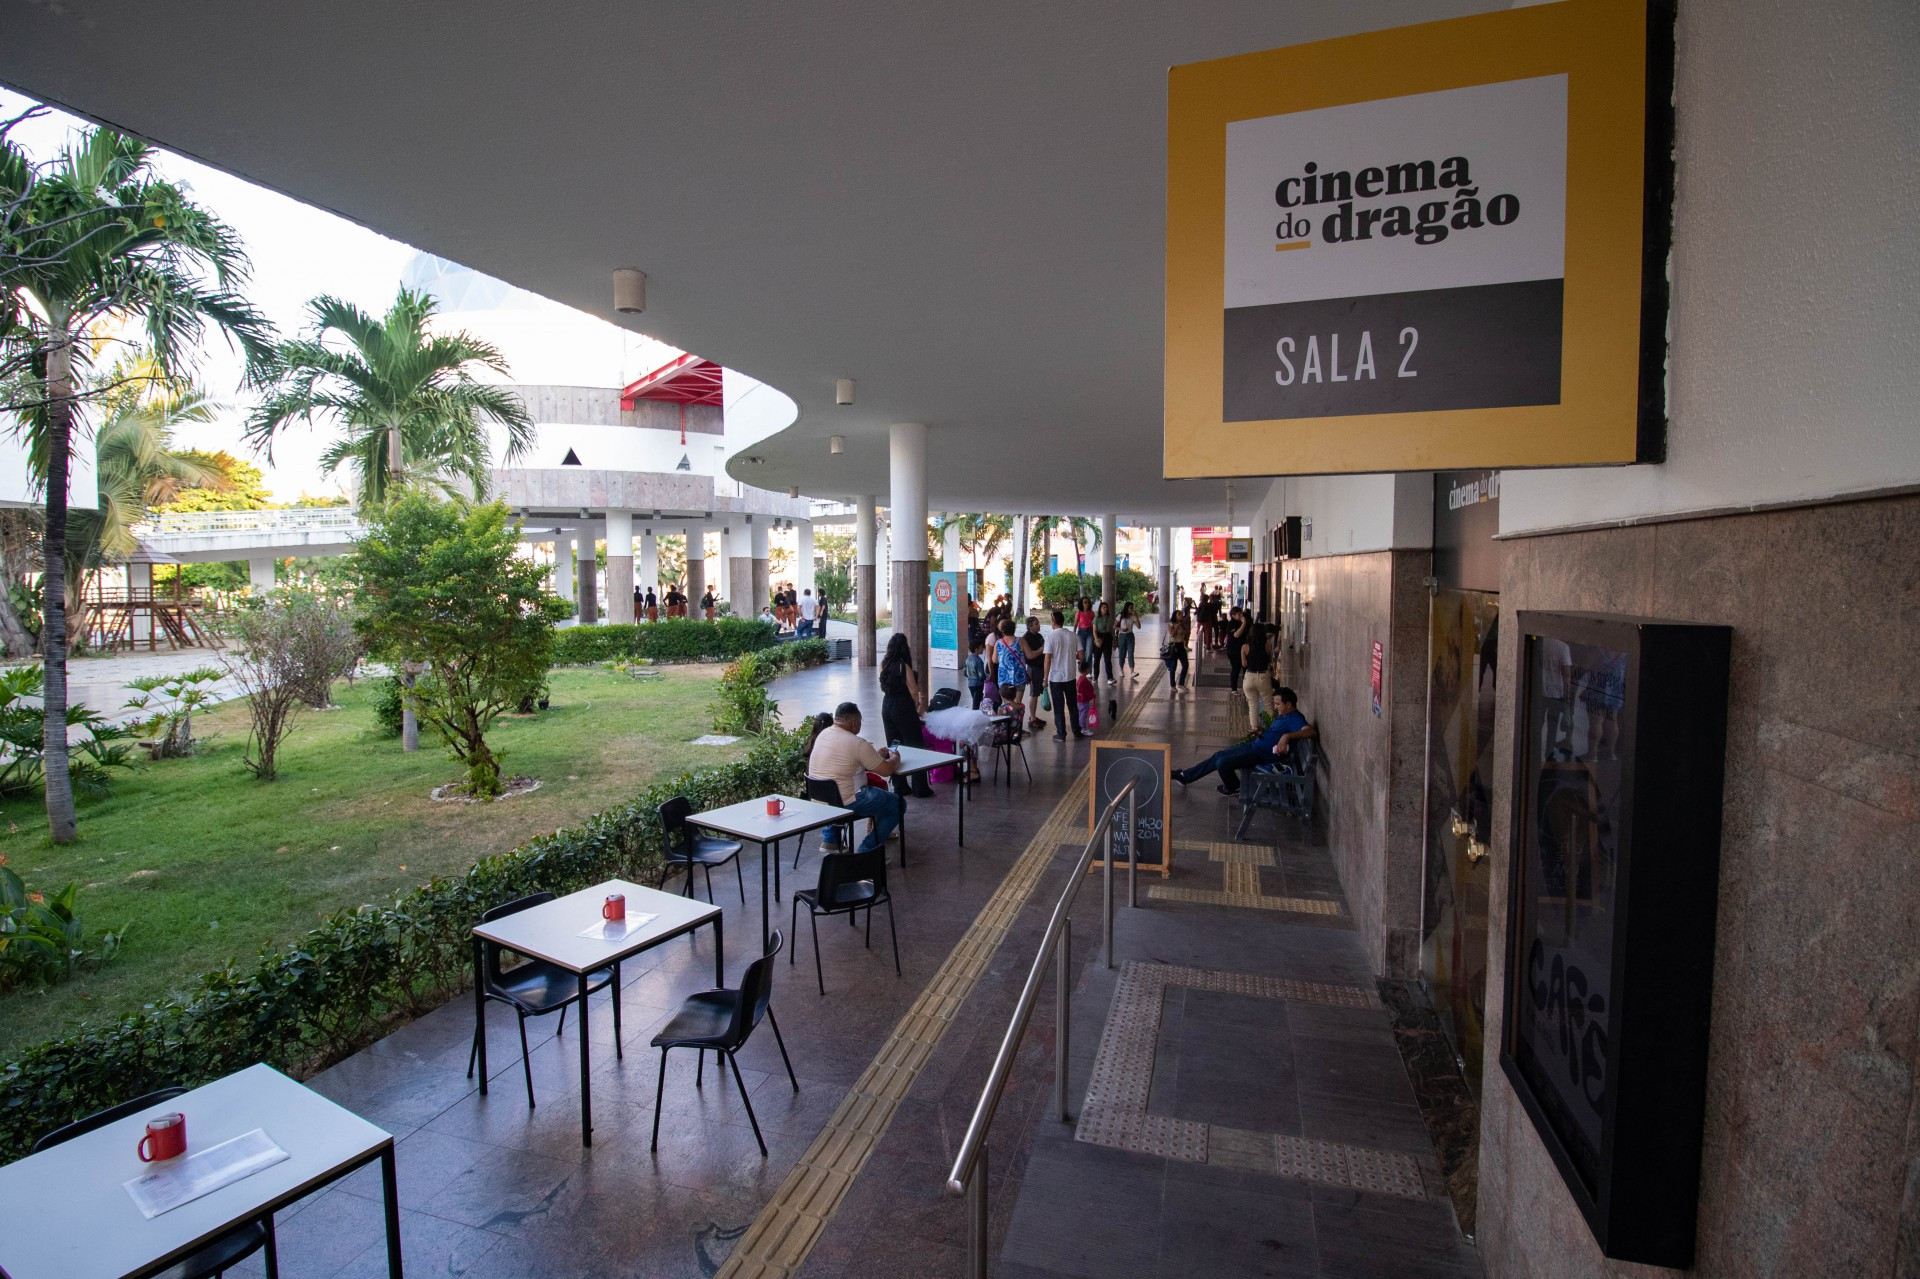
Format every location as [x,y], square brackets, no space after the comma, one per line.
[1033,647]
[1083,627]
[840,753]
[1179,634]
[976,672]
[708,604]
[1062,660]
[1256,670]
[1203,618]
[1010,668]
[902,704]
[809,609]
[1236,637]
[1103,639]
[1126,631]
[1219,617]
[1084,694]
[1273,741]
[639,603]
[653,605]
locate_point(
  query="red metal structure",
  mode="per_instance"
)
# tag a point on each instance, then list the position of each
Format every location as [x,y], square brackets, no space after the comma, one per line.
[683,380]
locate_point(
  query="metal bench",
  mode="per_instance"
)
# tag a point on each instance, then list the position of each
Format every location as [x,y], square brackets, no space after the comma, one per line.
[1287,787]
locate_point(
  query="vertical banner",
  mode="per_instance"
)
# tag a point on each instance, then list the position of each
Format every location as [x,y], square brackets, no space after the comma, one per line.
[1376,673]
[946,630]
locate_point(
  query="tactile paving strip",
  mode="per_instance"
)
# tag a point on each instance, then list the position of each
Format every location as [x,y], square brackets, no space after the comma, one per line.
[1251,854]
[1115,1111]
[778,1242]
[1251,900]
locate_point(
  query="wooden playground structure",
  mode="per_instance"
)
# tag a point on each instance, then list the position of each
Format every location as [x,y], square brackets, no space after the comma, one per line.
[130,618]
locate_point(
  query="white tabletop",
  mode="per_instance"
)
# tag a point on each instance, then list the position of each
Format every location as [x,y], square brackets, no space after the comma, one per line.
[70,1217]
[749,819]
[551,930]
[917,759]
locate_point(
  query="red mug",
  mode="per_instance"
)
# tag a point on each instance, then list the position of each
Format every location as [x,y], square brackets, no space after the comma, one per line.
[615,907]
[166,1138]
[775,807]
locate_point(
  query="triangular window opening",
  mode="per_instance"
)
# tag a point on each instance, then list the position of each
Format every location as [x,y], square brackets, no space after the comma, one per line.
[685,465]
[571,459]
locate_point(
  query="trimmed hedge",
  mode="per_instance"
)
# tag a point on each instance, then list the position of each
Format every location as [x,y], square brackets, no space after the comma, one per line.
[349,980]
[675,639]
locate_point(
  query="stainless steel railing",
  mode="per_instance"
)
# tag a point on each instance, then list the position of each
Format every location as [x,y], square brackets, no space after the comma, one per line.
[969,1175]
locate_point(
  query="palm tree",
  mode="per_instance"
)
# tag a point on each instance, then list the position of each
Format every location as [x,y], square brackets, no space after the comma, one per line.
[1078,527]
[99,238]
[411,414]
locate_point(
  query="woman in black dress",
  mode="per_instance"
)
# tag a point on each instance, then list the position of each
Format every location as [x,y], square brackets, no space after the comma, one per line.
[901,706]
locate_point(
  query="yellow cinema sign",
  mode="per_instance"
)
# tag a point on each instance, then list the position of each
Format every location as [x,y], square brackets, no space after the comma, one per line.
[1432,248]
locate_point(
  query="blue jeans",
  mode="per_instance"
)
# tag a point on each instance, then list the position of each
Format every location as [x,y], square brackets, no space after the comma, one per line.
[883,806]
[1125,655]
[1230,763]
[1086,644]
[803,629]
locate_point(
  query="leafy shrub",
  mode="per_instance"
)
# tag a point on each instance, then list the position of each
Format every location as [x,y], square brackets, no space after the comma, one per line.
[675,639]
[103,748]
[389,702]
[1060,590]
[42,939]
[744,705]
[322,998]
[170,701]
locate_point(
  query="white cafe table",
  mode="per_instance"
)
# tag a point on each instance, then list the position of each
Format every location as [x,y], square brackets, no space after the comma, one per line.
[69,1216]
[749,821]
[552,931]
[917,759]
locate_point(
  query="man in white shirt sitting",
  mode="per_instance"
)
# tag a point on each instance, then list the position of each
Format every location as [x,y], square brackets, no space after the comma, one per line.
[809,609]
[841,754]
[1062,653]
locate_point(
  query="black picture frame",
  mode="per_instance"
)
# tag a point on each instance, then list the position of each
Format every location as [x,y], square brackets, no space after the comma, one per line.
[1619,747]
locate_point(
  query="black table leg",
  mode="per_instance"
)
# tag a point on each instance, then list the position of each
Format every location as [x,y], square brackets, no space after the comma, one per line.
[390,1190]
[480,1008]
[903,832]
[586,1093]
[719,954]
[765,922]
[961,803]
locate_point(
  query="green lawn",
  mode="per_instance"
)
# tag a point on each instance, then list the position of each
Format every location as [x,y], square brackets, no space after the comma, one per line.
[208,864]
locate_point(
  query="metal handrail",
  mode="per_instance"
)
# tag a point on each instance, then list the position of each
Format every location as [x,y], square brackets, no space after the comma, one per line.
[969,1174]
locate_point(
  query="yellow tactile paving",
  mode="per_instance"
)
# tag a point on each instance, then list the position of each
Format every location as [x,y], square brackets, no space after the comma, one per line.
[776,1245]
[1252,901]
[1251,854]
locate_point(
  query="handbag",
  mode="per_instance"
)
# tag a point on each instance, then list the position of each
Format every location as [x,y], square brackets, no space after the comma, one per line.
[990,692]
[1046,699]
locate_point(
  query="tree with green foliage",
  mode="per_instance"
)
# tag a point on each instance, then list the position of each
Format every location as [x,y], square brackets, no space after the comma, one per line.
[443,585]
[236,485]
[89,243]
[410,413]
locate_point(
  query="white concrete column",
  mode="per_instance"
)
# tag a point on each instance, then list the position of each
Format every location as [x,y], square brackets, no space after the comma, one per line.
[620,567]
[563,565]
[1163,565]
[757,529]
[260,570]
[1022,551]
[1109,559]
[803,555]
[865,529]
[649,579]
[907,502]
[737,566]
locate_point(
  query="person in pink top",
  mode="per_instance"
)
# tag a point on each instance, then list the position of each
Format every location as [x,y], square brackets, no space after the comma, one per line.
[1083,627]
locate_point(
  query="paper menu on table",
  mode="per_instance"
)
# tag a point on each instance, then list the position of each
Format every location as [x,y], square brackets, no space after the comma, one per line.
[186,1179]
[617,929]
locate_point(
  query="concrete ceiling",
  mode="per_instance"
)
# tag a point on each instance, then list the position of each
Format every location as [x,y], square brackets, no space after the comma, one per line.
[962,206]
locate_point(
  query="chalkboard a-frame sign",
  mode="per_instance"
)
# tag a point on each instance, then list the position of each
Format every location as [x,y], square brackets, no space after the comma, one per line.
[1151,765]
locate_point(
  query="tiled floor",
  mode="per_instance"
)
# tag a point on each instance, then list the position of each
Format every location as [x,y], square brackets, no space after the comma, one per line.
[490,1189]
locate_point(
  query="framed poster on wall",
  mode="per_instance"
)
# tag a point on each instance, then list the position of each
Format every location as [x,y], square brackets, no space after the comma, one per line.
[1619,737]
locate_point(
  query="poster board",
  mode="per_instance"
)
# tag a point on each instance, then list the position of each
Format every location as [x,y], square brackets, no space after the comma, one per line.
[1433,247]
[947,635]
[1151,764]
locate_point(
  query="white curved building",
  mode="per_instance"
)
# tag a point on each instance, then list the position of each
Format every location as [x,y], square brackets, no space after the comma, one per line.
[632,439]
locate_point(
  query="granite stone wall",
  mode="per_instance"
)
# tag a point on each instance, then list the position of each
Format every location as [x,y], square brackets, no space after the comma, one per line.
[1812,1145]
[1371,766]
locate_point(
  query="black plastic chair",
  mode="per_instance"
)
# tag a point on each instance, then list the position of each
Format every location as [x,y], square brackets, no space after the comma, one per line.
[824,790]
[723,1020]
[849,883]
[1008,738]
[533,988]
[688,848]
[214,1258]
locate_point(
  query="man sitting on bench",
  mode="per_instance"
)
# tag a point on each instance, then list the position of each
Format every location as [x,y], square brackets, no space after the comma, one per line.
[1275,739]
